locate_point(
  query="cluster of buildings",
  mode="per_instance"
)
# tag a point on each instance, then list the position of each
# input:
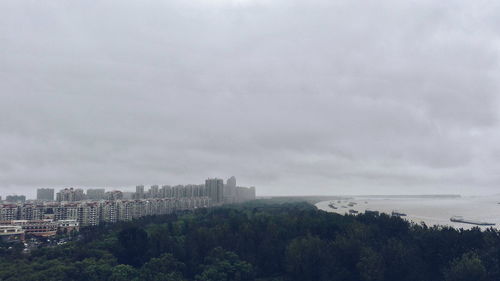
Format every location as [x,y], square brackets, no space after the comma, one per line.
[73,208]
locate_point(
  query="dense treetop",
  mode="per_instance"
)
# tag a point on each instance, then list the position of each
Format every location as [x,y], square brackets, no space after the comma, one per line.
[263,240]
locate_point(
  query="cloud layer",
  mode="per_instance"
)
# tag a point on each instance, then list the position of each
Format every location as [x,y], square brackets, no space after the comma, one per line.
[295,97]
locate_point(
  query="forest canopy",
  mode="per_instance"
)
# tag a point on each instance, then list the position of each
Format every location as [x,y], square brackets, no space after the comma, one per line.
[263,240]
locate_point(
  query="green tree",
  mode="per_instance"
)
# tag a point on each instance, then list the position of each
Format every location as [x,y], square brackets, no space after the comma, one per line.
[466,268]
[307,258]
[123,272]
[224,265]
[133,246]
[164,268]
[93,269]
[371,266]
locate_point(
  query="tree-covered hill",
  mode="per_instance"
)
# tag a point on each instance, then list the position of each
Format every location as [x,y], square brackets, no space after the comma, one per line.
[263,240]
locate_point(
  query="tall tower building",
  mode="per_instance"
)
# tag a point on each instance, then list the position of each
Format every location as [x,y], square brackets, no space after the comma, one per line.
[45,194]
[95,193]
[70,195]
[153,191]
[230,190]
[139,192]
[215,188]
[166,191]
[114,195]
[231,181]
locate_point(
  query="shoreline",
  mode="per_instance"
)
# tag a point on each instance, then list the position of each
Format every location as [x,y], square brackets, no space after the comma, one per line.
[430,211]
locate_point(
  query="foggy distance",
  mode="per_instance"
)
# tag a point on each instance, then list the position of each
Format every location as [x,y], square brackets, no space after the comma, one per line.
[294,97]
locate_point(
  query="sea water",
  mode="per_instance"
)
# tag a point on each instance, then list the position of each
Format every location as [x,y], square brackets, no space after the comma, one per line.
[431,211]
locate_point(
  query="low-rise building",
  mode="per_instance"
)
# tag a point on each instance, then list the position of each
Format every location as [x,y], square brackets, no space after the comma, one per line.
[40,228]
[67,226]
[11,233]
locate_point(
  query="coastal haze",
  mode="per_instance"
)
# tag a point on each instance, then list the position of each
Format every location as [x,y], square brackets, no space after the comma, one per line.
[249,140]
[294,97]
[430,210]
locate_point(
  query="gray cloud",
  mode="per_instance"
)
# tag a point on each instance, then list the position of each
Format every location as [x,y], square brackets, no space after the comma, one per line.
[295,97]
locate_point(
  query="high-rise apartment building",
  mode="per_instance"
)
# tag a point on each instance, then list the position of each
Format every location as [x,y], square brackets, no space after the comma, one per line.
[166,191]
[154,192]
[114,195]
[45,194]
[230,190]
[139,192]
[215,188]
[15,198]
[70,195]
[128,195]
[96,193]
[245,193]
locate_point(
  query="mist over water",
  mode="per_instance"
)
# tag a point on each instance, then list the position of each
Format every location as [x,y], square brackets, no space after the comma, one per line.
[431,211]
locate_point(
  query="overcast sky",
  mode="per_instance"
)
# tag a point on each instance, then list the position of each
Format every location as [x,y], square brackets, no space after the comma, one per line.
[292,96]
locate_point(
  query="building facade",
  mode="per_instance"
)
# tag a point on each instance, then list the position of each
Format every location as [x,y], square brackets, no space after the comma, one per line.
[215,188]
[15,198]
[139,192]
[45,194]
[11,233]
[95,194]
[70,195]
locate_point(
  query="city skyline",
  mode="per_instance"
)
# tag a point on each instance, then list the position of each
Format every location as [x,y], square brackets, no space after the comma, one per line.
[112,206]
[34,194]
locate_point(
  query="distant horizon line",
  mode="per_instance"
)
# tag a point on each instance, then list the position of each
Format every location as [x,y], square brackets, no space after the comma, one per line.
[371,195]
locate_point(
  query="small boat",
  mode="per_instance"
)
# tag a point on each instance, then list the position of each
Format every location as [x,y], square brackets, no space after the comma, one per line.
[351,211]
[461,219]
[398,214]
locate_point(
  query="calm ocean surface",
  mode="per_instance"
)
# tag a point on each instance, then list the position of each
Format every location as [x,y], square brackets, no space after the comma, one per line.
[431,211]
